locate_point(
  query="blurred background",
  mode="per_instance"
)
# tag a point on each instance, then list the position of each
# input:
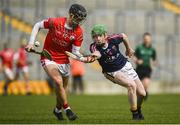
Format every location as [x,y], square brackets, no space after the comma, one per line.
[134,17]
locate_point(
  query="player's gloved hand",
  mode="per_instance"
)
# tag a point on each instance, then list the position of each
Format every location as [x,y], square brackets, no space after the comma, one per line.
[29,47]
[129,52]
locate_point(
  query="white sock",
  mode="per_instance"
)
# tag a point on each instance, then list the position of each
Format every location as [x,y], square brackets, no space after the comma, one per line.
[57,110]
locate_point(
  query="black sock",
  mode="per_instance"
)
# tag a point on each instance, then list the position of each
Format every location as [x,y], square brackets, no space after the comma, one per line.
[139,100]
[139,110]
[146,97]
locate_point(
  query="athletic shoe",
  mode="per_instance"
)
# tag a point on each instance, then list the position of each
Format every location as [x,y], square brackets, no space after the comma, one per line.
[135,115]
[70,114]
[141,117]
[58,115]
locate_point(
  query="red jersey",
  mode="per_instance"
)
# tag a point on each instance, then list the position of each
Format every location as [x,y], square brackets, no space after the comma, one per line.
[7,56]
[60,39]
[22,58]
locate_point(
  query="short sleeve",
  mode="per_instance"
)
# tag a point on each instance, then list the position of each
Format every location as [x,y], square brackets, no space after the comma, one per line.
[49,23]
[79,38]
[154,54]
[92,48]
[117,38]
[137,54]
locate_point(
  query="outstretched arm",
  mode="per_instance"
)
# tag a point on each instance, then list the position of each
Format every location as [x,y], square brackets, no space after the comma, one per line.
[86,59]
[34,32]
[129,50]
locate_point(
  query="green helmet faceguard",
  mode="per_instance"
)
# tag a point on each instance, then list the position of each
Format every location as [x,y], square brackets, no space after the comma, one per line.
[98,30]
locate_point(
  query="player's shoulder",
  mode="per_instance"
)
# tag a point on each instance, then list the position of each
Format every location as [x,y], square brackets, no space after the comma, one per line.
[140,46]
[56,20]
[79,30]
[92,47]
[10,50]
[115,36]
[63,19]
[60,20]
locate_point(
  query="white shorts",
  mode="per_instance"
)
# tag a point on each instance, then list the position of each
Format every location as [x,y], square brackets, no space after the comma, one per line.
[24,69]
[9,73]
[128,70]
[64,69]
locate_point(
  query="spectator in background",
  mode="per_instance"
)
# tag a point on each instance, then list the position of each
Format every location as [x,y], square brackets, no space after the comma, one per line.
[7,56]
[22,64]
[77,70]
[145,57]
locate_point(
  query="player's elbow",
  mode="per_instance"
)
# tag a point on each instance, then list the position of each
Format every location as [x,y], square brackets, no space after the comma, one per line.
[124,35]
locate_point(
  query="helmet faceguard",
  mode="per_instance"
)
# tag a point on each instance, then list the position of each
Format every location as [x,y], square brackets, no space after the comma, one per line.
[77,14]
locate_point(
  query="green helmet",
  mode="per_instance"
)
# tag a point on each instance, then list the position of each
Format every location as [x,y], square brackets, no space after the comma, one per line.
[98,30]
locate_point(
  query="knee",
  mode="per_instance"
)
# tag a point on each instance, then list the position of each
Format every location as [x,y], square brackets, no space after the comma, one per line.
[59,82]
[132,87]
[143,93]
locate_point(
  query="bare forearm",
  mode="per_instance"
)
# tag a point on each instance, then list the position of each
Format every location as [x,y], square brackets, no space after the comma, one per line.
[129,50]
[90,58]
[85,59]
[126,41]
[93,57]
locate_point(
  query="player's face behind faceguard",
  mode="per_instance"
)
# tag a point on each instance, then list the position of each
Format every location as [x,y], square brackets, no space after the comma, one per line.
[77,15]
[99,35]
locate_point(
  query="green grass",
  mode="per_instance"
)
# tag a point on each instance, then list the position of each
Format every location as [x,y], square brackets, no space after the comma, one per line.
[90,109]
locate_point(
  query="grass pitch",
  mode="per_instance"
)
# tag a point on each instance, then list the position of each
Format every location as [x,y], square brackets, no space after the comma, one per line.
[94,109]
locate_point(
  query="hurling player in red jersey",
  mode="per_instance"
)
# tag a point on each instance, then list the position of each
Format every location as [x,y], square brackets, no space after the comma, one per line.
[22,65]
[7,56]
[65,34]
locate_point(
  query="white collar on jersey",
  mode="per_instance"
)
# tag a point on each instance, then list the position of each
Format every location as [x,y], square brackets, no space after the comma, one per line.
[67,26]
